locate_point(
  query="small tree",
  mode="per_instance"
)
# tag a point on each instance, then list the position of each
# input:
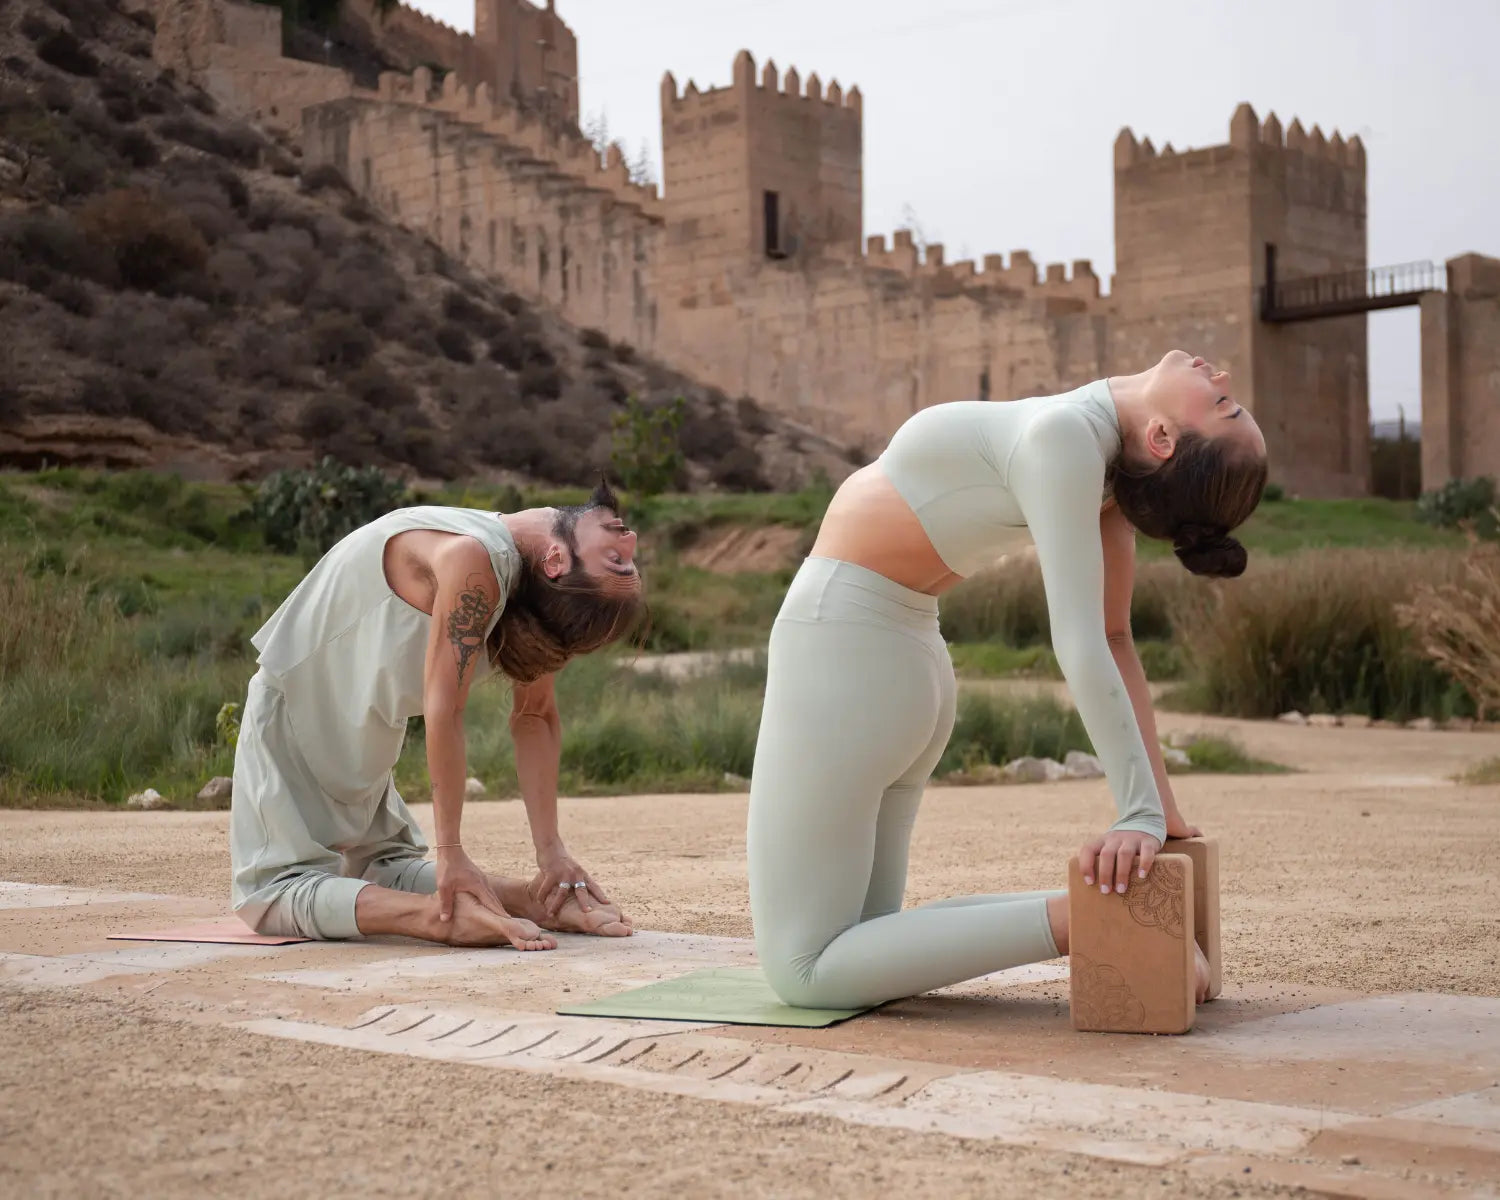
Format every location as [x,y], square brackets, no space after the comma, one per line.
[643,166]
[595,127]
[647,457]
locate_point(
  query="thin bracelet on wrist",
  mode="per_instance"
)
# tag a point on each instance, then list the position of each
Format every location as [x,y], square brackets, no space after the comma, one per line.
[449,846]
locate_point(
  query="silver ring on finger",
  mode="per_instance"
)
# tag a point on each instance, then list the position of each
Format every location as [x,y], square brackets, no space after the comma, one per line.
[565,886]
[580,885]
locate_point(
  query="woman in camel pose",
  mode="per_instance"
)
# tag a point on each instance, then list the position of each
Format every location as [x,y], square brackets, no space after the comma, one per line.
[399,620]
[860,695]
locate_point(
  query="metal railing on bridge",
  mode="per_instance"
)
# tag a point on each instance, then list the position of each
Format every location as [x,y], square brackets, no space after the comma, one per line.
[1345,292]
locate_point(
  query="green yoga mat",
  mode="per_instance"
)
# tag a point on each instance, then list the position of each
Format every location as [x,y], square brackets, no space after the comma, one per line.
[720,994]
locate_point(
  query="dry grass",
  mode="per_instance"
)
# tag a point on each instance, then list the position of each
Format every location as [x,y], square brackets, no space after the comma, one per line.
[1319,632]
[1456,622]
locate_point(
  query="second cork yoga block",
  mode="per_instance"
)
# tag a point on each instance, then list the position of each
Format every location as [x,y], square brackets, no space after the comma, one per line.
[1130,961]
[1205,855]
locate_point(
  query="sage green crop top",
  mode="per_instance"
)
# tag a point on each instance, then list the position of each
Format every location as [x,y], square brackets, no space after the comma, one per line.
[973,471]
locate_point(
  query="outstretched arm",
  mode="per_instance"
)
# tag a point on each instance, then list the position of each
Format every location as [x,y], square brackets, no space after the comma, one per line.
[536,730]
[465,602]
[1118,540]
[1057,476]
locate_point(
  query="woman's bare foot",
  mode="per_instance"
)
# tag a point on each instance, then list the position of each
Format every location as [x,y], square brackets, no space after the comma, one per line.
[1200,965]
[474,925]
[602,920]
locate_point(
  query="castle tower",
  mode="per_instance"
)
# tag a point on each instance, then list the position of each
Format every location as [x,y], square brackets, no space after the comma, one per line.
[765,168]
[532,53]
[1196,235]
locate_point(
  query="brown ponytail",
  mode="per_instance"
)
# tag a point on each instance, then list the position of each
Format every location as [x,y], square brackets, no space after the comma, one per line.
[1193,500]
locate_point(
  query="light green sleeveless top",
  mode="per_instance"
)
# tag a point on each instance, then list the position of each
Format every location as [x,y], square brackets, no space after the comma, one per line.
[350,655]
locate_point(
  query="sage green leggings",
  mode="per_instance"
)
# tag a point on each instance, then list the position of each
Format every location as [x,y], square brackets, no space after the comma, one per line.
[860,702]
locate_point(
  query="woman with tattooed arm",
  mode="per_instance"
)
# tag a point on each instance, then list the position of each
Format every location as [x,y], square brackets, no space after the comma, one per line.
[399,619]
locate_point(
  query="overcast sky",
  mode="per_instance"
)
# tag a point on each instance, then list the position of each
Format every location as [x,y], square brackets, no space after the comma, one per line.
[992,121]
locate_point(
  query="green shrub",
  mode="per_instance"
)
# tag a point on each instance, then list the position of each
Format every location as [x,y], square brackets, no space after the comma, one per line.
[306,512]
[994,729]
[1162,661]
[1460,501]
[1225,756]
[995,660]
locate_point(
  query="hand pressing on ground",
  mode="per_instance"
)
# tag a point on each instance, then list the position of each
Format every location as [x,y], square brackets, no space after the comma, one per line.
[1110,859]
[560,878]
[565,905]
[469,910]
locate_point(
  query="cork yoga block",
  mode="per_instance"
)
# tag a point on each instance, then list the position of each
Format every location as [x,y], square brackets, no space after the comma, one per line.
[1205,855]
[1131,956]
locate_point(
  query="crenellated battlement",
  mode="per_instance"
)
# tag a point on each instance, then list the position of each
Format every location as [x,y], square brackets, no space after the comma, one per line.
[787,87]
[1021,274]
[401,17]
[571,153]
[1246,133]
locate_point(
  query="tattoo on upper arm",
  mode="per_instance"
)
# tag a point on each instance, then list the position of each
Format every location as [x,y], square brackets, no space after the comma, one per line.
[467,622]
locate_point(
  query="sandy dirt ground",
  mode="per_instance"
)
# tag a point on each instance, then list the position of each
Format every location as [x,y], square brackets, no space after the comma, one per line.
[1367,875]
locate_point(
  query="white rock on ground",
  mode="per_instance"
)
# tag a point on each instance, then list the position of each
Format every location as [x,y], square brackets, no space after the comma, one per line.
[1079,765]
[1292,718]
[1174,757]
[1180,739]
[1422,724]
[216,790]
[473,788]
[1356,721]
[1034,770]
[1323,720]
[148,799]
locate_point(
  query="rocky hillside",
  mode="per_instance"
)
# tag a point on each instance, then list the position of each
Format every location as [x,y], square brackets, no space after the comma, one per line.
[176,291]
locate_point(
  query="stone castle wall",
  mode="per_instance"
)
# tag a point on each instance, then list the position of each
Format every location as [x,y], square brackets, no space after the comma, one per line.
[1461,373]
[505,192]
[233,50]
[522,54]
[751,273]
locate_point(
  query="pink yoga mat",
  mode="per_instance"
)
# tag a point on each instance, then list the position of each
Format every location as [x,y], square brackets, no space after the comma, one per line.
[230,933]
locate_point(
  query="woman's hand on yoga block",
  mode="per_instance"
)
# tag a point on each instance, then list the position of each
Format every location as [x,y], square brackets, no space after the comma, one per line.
[1108,860]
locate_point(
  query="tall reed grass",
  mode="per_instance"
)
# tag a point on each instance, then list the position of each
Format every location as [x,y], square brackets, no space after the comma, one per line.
[1009,604]
[1317,632]
[1456,622]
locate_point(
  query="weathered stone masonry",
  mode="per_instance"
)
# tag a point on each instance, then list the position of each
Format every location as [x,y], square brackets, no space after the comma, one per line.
[751,269]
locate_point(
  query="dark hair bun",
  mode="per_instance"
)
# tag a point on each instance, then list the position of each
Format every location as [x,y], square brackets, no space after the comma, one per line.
[1207,550]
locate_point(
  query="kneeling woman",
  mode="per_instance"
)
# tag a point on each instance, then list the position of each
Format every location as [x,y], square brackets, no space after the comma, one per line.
[860,696]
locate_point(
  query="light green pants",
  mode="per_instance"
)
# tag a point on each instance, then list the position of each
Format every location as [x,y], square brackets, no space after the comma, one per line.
[860,702]
[299,856]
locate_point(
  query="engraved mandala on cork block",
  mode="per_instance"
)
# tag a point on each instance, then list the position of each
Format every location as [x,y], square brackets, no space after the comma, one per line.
[1131,956]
